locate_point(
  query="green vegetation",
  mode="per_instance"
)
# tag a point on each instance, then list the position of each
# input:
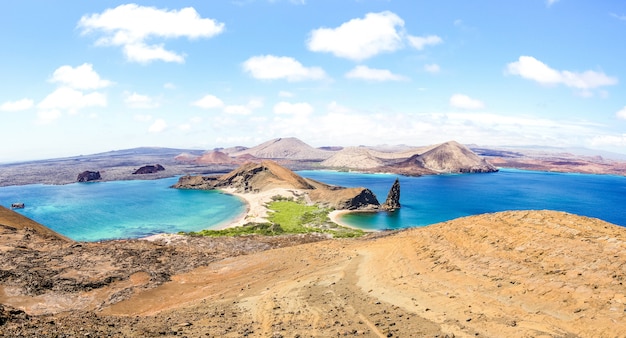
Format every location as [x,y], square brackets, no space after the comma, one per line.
[288,217]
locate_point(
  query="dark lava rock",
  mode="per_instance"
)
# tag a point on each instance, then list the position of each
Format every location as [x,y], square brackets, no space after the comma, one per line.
[87,176]
[393,198]
[149,169]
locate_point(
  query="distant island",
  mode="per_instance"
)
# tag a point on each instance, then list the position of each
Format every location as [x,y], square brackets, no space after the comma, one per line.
[447,157]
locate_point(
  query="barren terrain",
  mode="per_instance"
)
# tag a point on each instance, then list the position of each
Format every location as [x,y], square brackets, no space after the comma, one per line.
[522,274]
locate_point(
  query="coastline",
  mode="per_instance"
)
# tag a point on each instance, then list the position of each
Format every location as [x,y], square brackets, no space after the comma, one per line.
[335,217]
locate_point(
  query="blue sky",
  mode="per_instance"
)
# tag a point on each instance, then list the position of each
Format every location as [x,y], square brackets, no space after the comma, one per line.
[81,77]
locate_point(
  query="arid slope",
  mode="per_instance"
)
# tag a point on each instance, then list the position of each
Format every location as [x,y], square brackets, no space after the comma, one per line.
[508,274]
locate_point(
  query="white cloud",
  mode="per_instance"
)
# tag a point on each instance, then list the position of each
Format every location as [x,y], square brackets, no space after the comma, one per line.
[143,118]
[139,101]
[131,26]
[158,126]
[551,2]
[184,127]
[270,67]
[372,74]
[47,116]
[609,140]
[419,42]
[359,39]
[621,114]
[532,69]
[243,109]
[82,77]
[237,110]
[209,102]
[72,100]
[284,93]
[18,105]
[286,108]
[432,68]
[169,85]
[465,102]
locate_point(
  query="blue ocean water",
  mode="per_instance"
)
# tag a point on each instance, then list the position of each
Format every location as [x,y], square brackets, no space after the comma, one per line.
[431,199]
[122,209]
[132,209]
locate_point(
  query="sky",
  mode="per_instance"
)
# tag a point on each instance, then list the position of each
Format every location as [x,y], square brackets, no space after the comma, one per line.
[82,77]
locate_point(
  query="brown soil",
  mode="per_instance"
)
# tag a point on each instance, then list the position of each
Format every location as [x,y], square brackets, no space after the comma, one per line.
[510,274]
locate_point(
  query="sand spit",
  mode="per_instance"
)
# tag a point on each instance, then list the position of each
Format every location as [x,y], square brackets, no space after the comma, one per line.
[513,274]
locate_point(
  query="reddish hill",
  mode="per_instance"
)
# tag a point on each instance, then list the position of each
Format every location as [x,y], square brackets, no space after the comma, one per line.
[286,148]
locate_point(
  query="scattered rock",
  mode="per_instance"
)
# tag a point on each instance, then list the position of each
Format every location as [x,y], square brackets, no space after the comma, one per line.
[149,169]
[87,176]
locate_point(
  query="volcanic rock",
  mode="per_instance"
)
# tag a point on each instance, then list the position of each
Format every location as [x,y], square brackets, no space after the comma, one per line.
[149,169]
[393,198]
[87,176]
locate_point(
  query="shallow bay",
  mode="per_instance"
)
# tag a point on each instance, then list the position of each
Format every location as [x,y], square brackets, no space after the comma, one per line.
[122,209]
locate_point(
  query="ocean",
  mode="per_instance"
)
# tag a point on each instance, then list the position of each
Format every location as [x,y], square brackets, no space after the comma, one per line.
[431,199]
[97,211]
[133,209]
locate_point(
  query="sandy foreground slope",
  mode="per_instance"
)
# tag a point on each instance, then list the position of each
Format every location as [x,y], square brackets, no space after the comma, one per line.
[509,274]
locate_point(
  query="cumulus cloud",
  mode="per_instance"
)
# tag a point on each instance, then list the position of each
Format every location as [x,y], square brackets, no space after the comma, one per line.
[360,38]
[82,77]
[419,42]
[432,68]
[71,100]
[131,26]
[246,109]
[158,126]
[286,108]
[134,100]
[532,69]
[284,93]
[209,102]
[270,67]
[19,105]
[372,74]
[621,114]
[465,102]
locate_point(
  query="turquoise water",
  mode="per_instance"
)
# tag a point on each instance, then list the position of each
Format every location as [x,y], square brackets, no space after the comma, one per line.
[132,209]
[122,209]
[432,199]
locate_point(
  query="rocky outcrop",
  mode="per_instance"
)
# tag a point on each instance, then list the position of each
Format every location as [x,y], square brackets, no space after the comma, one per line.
[195,182]
[340,198]
[149,169]
[87,176]
[393,198]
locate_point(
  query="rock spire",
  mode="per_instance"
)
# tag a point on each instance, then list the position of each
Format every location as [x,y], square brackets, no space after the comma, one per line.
[393,198]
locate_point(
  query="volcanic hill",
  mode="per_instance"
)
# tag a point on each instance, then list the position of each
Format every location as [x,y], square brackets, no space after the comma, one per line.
[286,148]
[259,177]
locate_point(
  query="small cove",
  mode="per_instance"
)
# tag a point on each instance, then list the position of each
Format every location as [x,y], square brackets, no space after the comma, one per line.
[122,209]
